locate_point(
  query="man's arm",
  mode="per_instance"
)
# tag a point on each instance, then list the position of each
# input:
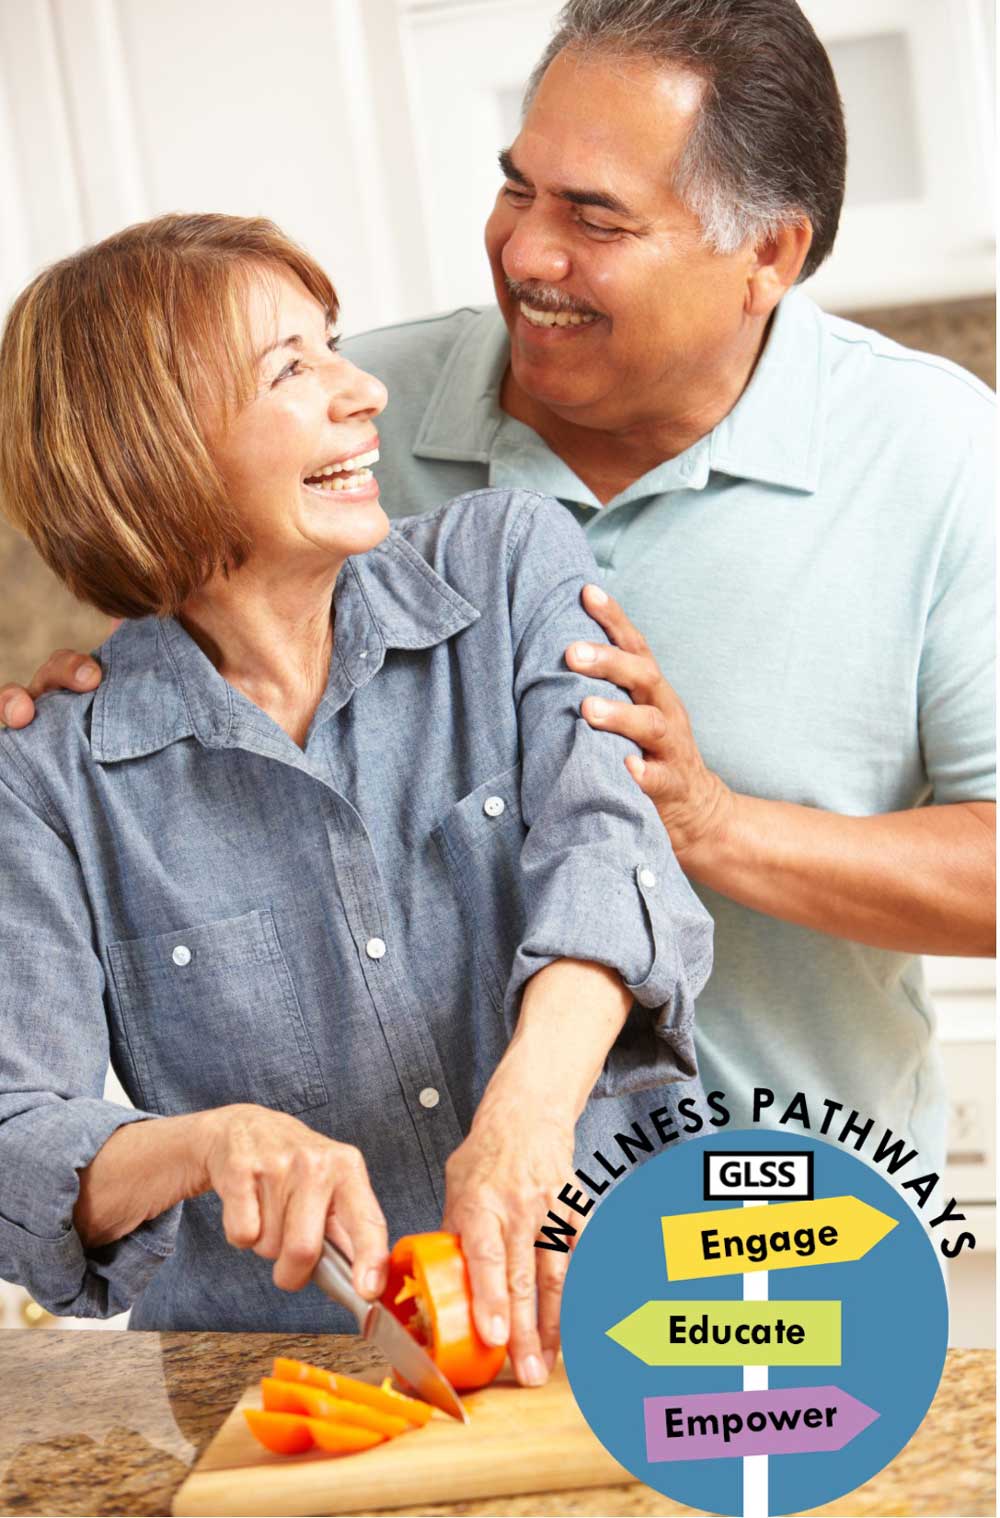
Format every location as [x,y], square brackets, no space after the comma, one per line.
[921,881]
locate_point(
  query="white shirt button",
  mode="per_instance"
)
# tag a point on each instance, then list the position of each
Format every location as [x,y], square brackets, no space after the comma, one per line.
[646,877]
[375,948]
[493,806]
[429,1097]
[181,955]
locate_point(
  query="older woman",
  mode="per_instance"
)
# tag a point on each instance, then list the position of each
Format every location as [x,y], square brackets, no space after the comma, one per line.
[329,868]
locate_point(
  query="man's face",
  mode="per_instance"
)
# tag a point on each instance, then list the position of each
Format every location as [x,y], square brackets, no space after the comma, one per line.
[587,226]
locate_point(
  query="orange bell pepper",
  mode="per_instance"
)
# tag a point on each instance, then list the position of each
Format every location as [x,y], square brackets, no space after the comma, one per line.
[429,1292]
[291,1397]
[352,1390]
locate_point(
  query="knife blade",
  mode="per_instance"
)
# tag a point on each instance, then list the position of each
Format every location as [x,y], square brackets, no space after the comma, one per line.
[333,1276]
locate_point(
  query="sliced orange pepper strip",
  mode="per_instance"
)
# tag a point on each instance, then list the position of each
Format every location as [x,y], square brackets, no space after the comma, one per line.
[341,1438]
[294,1433]
[282,1433]
[410,1408]
[299,1397]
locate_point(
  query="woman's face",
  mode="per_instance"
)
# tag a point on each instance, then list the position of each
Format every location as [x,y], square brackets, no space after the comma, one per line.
[296,460]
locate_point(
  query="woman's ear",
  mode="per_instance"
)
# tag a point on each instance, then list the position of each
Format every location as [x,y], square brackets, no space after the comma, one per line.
[777,266]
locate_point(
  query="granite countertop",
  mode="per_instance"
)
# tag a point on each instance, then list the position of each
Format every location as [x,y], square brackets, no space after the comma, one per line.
[94,1422]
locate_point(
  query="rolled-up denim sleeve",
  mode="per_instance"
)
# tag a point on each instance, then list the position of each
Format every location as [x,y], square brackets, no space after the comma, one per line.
[54,1053]
[601,881]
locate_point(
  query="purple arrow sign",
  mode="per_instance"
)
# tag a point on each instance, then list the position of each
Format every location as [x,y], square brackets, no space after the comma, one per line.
[722,1425]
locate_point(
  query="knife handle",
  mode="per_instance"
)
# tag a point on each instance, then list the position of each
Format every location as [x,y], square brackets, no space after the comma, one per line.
[333,1275]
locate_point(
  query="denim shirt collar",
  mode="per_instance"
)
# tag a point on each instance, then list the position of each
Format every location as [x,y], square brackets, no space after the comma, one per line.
[160,687]
[773,434]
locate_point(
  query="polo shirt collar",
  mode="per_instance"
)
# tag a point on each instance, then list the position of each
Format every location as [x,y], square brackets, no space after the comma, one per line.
[159,686]
[773,434]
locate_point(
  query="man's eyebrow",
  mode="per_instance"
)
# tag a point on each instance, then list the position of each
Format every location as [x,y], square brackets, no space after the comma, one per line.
[602,198]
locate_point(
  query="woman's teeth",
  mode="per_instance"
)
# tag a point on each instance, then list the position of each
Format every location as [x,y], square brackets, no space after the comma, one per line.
[539,318]
[349,474]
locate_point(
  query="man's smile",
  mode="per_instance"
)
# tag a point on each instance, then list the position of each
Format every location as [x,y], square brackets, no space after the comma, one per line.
[540,318]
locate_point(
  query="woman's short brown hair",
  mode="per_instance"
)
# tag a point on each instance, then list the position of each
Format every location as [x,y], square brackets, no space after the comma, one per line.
[106,361]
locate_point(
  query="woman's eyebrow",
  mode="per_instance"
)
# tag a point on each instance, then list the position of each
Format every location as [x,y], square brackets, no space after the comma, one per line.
[295,340]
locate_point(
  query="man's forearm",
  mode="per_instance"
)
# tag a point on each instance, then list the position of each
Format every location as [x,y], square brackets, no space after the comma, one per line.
[918,882]
[571,1013]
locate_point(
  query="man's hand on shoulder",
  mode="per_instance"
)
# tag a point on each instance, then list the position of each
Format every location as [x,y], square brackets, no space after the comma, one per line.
[64,670]
[693,803]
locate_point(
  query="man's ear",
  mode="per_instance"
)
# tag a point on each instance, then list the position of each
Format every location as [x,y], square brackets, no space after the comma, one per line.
[777,265]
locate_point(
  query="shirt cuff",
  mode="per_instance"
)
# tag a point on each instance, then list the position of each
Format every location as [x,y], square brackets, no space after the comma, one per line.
[39,1247]
[660,945]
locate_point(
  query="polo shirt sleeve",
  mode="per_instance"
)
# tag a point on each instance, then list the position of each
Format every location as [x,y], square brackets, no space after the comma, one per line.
[956,676]
[600,879]
[54,1053]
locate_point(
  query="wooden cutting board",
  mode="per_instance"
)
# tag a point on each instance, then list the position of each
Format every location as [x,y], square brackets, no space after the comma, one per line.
[518,1440]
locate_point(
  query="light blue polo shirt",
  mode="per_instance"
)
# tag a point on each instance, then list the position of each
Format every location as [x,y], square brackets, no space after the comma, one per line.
[815,577]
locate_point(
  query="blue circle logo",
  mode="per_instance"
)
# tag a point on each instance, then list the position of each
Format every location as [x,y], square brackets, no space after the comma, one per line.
[754,1323]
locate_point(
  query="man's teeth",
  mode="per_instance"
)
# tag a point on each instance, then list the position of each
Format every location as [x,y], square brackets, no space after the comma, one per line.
[539,318]
[349,474]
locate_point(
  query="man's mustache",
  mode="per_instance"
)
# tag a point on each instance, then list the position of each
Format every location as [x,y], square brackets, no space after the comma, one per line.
[545,298]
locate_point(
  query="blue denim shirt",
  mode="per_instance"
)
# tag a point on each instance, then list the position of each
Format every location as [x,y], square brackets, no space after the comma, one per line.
[341,931]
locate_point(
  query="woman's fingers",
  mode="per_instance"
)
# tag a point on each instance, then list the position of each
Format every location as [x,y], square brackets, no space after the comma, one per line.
[300,1200]
[525,1347]
[241,1219]
[357,1209]
[486,1256]
[551,1273]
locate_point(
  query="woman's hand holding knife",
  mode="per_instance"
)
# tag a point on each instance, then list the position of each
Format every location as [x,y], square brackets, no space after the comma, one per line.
[283,1187]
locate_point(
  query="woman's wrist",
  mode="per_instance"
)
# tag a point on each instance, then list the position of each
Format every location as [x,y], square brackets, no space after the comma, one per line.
[141,1171]
[571,1013]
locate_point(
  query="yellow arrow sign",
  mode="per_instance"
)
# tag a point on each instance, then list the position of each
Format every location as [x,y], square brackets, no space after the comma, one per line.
[781,1236]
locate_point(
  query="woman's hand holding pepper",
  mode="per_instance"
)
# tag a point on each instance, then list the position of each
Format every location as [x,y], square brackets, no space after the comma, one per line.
[500,1182]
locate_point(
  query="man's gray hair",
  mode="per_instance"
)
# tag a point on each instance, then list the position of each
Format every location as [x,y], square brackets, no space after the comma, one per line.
[768,146]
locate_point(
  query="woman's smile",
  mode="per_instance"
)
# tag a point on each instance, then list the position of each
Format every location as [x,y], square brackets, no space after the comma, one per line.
[351,476]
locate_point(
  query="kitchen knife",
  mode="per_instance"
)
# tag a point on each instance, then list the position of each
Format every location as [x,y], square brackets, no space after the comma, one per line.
[379,1327]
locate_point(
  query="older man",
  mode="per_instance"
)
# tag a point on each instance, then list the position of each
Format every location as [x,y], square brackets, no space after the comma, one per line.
[795,511]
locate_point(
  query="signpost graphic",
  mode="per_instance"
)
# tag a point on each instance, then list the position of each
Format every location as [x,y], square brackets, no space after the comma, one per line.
[714,1390]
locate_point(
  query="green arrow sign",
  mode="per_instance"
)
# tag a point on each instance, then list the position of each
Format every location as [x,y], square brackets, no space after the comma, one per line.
[732,1333]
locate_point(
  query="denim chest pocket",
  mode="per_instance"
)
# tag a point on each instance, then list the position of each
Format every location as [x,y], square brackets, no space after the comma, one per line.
[480,840]
[210,1016]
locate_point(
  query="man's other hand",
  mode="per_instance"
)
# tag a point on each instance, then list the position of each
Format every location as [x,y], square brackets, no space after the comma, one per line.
[64,670]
